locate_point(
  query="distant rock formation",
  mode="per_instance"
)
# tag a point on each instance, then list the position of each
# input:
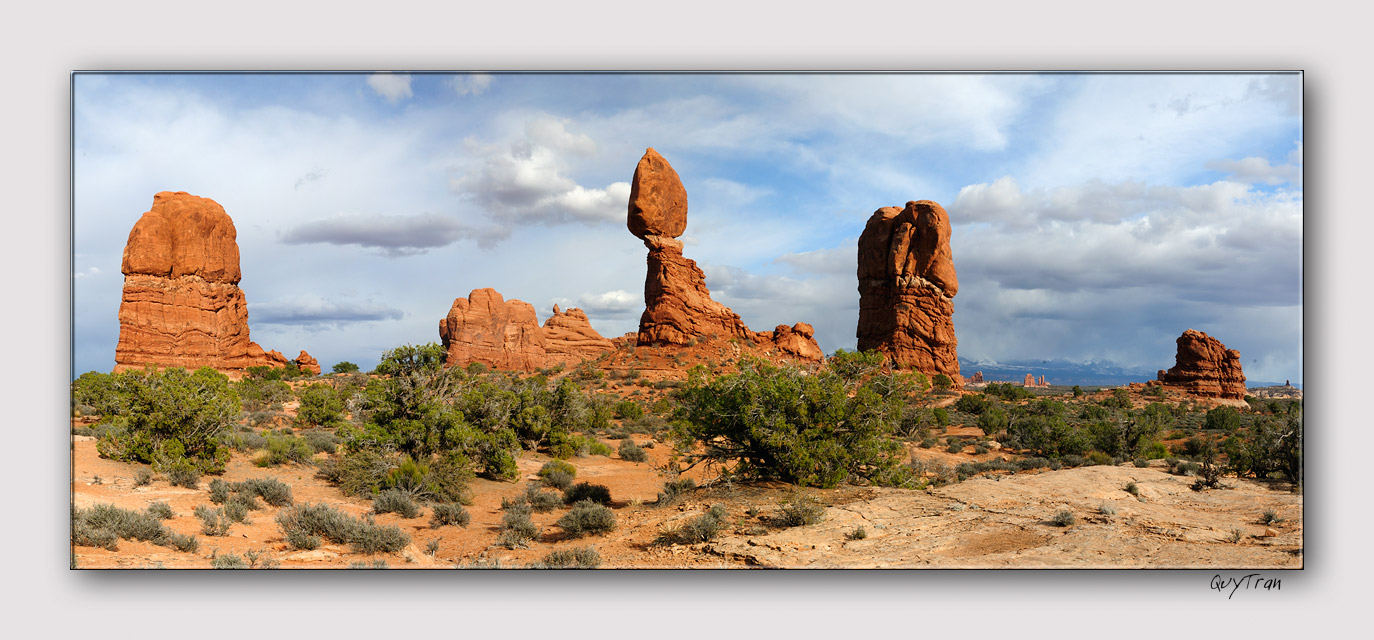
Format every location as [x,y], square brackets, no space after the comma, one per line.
[1042,381]
[308,363]
[182,306]
[907,285]
[977,377]
[1029,382]
[1204,367]
[678,306]
[569,338]
[485,327]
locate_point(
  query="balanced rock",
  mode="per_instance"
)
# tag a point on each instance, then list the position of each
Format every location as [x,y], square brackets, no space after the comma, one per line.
[907,285]
[1204,367]
[308,363]
[569,338]
[678,308]
[658,201]
[182,306]
[485,327]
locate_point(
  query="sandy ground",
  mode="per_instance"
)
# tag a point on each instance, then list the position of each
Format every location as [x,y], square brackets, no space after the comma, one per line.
[997,522]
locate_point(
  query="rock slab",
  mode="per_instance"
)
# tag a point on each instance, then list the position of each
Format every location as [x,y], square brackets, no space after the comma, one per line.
[1204,367]
[907,285]
[570,339]
[485,327]
[181,305]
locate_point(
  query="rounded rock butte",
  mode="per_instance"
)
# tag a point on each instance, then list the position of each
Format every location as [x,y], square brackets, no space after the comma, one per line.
[1204,367]
[907,285]
[181,305]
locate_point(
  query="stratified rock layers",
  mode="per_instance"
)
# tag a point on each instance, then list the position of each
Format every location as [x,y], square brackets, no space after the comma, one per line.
[1204,367]
[907,285]
[182,306]
[678,308]
[569,338]
[485,327]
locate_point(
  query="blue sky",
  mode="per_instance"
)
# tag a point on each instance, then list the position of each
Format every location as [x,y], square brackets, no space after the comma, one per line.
[1096,216]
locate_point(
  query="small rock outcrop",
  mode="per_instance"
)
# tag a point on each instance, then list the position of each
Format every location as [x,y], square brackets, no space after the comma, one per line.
[308,363]
[1204,367]
[485,327]
[678,308]
[907,285]
[182,306]
[569,338]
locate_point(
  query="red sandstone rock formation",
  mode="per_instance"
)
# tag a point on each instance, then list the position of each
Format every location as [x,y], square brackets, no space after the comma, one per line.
[907,286]
[308,363]
[678,307]
[977,377]
[1042,382]
[182,306]
[569,338]
[1204,367]
[1029,381]
[486,328]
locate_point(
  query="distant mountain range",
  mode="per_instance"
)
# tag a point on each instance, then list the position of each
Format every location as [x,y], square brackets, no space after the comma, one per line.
[1097,372]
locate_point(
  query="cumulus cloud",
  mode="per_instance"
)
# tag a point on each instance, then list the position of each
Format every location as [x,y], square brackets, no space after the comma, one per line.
[392,236]
[617,303]
[311,311]
[392,86]
[470,84]
[526,181]
[1258,170]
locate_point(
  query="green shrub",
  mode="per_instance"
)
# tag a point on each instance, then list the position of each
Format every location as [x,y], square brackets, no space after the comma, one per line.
[942,381]
[182,473]
[281,450]
[702,528]
[786,424]
[160,510]
[450,513]
[553,466]
[992,420]
[859,533]
[228,561]
[632,452]
[1140,463]
[587,491]
[800,511]
[975,403]
[322,441]
[1223,418]
[104,524]
[304,524]
[1063,519]
[257,395]
[395,501]
[213,522]
[171,416]
[1077,391]
[344,367]
[143,476]
[1098,458]
[1007,391]
[321,405]
[272,491]
[955,445]
[542,501]
[1133,489]
[578,558]
[929,442]
[517,528]
[1107,509]
[587,518]
[628,410]
[673,489]
[1270,516]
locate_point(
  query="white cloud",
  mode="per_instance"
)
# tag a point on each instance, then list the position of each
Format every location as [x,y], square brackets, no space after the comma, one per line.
[525,180]
[470,84]
[1257,170]
[87,273]
[394,236]
[392,86]
[617,303]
